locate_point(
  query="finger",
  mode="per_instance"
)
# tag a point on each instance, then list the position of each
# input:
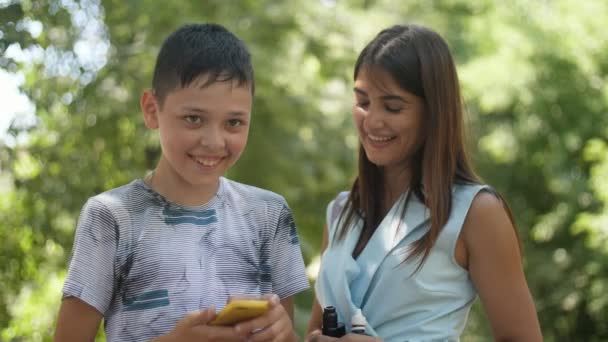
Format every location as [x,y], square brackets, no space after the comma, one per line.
[276,313]
[247,297]
[314,336]
[322,338]
[218,333]
[267,296]
[199,317]
[277,326]
[274,300]
[315,332]
[274,332]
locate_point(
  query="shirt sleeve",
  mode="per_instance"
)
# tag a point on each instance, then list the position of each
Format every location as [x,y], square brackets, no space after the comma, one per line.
[289,273]
[90,275]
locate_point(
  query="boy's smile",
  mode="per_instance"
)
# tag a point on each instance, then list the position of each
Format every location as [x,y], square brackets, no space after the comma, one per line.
[203,131]
[206,162]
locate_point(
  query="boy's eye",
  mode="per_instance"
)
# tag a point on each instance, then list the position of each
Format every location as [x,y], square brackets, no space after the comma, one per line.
[235,122]
[192,119]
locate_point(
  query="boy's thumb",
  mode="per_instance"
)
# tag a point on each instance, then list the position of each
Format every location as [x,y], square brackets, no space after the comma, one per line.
[274,300]
[199,317]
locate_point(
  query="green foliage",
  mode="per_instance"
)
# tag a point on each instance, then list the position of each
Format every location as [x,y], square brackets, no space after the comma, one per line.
[533,76]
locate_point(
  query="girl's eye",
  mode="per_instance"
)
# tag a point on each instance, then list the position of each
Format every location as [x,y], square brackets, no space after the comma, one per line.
[362,104]
[392,109]
[235,122]
[192,119]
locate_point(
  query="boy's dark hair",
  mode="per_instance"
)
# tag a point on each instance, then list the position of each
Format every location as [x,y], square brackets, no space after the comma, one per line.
[201,49]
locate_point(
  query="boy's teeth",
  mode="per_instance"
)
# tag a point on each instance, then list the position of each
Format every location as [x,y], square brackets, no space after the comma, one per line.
[207,162]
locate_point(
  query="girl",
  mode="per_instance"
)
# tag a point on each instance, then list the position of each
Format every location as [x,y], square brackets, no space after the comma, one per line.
[419,236]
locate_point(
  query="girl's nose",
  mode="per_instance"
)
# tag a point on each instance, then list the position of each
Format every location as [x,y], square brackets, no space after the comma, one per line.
[373,119]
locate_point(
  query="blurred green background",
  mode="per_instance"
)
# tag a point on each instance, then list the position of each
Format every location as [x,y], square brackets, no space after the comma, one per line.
[534,78]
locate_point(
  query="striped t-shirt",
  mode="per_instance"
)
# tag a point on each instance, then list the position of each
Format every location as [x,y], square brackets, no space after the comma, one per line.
[145,262]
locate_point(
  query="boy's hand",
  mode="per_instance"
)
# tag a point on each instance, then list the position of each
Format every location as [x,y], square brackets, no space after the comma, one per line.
[274,325]
[316,336]
[194,327]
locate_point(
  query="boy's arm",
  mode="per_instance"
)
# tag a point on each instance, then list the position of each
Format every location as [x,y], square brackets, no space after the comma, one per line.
[288,278]
[86,293]
[288,305]
[288,272]
[77,321]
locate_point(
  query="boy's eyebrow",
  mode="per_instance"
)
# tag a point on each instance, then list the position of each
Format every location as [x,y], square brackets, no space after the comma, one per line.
[384,97]
[194,109]
[238,113]
[203,111]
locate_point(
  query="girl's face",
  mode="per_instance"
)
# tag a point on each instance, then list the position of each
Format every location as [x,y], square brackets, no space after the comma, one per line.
[389,119]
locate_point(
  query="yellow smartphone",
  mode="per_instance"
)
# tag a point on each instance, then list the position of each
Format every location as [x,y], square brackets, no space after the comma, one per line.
[240,310]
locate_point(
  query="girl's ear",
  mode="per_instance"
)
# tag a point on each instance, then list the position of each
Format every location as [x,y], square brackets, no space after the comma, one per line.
[150,108]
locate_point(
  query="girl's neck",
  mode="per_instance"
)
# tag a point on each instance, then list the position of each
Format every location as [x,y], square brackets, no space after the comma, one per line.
[396,182]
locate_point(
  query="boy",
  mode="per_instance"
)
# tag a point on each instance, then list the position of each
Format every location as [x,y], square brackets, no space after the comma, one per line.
[155,257]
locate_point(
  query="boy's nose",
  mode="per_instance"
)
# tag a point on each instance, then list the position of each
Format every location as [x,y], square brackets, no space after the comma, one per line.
[212,140]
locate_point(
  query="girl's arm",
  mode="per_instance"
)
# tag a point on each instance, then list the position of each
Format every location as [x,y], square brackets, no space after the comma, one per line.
[494,262]
[316,314]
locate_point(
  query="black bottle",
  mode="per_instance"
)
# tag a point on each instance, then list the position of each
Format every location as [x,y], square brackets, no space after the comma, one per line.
[331,326]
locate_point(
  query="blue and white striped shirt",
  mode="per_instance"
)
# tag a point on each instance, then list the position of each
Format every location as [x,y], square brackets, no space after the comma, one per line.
[145,262]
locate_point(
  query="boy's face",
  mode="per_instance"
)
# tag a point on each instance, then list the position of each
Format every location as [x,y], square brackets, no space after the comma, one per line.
[203,130]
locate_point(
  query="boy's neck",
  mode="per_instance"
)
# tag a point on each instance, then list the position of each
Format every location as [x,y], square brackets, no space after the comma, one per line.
[174,188]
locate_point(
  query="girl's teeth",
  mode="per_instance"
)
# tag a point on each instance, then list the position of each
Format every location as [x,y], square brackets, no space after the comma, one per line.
[379,139]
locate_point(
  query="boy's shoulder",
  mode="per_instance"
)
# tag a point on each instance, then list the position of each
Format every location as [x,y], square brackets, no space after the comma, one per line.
[130,194]
[241,193]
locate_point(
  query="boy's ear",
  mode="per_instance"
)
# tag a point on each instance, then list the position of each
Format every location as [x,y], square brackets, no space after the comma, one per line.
[150,108]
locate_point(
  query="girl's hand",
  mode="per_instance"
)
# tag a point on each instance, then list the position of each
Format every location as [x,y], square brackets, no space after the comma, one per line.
[316,336]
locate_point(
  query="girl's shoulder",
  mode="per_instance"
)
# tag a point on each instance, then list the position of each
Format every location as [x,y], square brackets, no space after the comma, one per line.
[336,206]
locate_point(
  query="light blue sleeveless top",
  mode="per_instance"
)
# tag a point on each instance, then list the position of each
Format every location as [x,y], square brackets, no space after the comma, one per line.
[400,305]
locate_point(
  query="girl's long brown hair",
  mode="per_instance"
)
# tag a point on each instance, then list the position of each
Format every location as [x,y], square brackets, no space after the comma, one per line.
[420,62]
